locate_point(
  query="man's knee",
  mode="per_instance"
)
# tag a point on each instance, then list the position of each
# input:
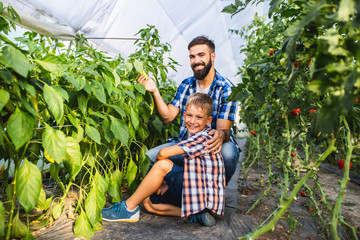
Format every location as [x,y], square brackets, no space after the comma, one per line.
[153,152]
[230,154]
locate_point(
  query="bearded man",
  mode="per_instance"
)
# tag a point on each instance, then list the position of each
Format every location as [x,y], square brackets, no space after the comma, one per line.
[205,80]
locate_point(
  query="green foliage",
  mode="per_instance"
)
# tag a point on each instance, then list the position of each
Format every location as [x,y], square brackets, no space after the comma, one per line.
[85,114]
[83,226]
[2,220]
[19,229]
[304,58]
[28,185]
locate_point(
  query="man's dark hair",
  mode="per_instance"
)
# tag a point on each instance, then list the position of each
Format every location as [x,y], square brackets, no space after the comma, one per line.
[202,40]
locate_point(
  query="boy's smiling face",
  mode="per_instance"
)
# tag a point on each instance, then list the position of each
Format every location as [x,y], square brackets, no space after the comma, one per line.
[196,119]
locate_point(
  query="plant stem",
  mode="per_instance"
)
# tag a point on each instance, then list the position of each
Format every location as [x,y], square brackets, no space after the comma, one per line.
[259,200]
[17,163]
[296,189]
[335,211]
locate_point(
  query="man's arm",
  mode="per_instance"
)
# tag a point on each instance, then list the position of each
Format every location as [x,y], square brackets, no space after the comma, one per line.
[167,152]
[166,112]
[220,135]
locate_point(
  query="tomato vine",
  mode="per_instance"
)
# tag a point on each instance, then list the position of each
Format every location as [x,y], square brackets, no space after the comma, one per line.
[299,93]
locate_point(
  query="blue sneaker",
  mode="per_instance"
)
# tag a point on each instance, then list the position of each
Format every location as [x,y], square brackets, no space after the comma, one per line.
[119,213]
[112,206]
[205,218]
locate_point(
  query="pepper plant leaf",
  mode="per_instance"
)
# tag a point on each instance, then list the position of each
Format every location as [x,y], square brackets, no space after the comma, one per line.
[120,130]
[131,172]
[15,59]
[20,127]
[100,187]
[93,133]
[115,185]
[144,161]
[98,90]
[140,88]
[83,226]
[54,142]
[4,98]
[52,63]
[100,183]
[18,229]
[82,103]
[134,116]
[28,185]
[91,207]
[139,67]
[73,157]
[78,83]
[54,102]
[116,78]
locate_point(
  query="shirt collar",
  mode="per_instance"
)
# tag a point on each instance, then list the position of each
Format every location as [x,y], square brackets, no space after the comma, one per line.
[206,129]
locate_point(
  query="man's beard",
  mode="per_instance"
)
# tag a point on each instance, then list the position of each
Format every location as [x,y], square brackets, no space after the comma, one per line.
[201,74]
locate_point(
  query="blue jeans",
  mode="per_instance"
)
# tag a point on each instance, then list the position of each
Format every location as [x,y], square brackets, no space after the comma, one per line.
[229,151]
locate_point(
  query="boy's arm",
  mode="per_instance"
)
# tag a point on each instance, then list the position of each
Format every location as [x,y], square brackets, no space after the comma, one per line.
[167,152]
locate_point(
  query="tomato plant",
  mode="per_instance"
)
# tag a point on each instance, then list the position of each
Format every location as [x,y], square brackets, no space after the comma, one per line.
[315,67]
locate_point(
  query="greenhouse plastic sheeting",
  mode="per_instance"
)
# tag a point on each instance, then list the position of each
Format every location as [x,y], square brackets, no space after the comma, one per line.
[111,26]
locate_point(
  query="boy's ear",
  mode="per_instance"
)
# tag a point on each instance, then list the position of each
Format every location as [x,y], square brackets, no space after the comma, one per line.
[209,121]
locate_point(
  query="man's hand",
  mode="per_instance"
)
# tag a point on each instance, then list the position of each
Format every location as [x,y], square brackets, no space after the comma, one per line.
[216,142]
[149,84]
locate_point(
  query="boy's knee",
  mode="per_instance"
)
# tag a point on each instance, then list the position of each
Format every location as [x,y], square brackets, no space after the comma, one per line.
[164,166]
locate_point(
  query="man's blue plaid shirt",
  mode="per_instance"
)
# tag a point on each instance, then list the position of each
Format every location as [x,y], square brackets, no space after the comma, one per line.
[219,90]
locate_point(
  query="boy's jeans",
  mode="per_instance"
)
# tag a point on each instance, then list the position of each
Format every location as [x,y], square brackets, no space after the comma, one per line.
[229,151]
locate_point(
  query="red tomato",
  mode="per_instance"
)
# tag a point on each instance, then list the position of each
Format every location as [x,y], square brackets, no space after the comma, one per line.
[293,154]
[303,194]
[341,164]
[271,52]
[311,112]
[253,132]
[296,112]
[296,64]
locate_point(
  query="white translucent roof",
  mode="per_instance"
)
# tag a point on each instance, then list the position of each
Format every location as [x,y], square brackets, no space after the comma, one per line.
[178,23]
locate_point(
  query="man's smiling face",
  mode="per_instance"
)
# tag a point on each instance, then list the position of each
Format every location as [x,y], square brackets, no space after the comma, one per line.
[201,60]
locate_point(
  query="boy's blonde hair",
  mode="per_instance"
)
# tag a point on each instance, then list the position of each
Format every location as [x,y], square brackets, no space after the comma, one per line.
[201,100]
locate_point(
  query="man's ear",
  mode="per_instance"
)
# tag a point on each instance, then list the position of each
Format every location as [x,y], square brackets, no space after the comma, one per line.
[213,56]
[209,121]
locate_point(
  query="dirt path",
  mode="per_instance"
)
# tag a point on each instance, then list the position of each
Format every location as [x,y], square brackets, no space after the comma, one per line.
[240,195]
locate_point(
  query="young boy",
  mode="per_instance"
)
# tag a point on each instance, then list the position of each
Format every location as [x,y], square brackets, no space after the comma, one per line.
[192,191]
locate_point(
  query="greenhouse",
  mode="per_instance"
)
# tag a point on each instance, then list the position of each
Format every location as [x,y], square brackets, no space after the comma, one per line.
[180,120]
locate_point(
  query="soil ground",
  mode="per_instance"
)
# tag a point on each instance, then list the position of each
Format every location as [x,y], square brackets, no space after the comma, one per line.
[241,193]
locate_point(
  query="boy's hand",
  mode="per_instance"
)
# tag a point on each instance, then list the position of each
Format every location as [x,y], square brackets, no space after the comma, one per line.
[215,144]
[149,84]
[162,189]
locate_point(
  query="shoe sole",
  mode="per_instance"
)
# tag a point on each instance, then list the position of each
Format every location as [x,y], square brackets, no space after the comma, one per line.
[121,220]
